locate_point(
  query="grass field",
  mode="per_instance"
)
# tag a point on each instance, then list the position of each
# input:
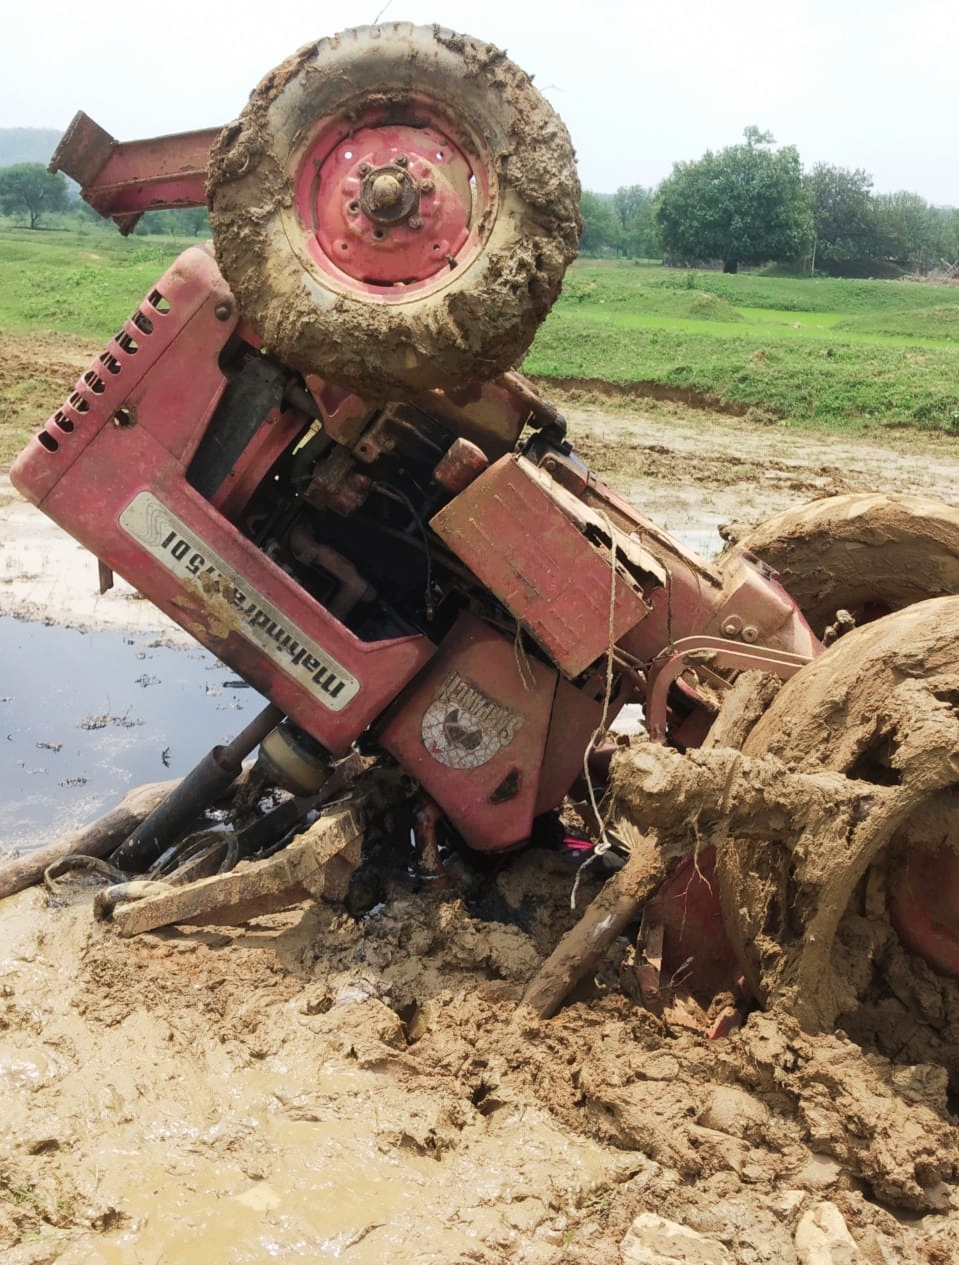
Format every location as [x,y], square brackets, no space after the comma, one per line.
[828,353]
[77,283]
[833,353]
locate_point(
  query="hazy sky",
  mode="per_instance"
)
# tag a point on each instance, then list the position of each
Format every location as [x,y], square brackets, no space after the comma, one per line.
[858,83]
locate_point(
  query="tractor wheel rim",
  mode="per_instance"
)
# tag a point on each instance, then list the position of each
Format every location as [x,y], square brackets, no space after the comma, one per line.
[387,208]
[924,907]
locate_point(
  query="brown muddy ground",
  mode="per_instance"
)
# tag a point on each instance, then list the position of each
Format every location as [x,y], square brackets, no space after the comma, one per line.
[309,1087]
[37,372]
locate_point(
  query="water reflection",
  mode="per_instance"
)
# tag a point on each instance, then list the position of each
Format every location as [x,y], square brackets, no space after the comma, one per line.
[86,716]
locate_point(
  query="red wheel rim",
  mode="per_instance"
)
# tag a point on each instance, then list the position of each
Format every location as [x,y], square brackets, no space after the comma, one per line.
[924,907]
[389,209]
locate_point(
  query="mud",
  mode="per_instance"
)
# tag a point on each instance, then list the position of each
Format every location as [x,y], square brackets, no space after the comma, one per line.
[309,1087]
[640,392]
[868,553]
[465,325]
[37,372]
[811,911]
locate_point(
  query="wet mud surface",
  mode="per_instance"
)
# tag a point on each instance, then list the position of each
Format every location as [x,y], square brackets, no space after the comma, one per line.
[307,1087]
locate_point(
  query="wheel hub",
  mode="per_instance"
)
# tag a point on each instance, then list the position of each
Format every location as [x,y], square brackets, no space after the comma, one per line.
[389,206]
[389,195]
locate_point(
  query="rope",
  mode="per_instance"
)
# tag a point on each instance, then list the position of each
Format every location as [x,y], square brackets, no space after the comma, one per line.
[522,661]
[604,843]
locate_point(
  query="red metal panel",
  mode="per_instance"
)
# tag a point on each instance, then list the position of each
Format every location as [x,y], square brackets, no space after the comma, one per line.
[177,320]
[576,715]
[121,491]
[473,730]
[518,532]
[125,178]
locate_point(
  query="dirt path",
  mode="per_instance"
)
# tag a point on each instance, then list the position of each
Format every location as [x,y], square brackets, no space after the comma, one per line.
[694,468]
[309,1087]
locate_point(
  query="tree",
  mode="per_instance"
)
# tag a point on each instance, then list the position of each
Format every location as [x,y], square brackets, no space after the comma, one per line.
[601,231]
[633,205]
[905,228]
[745,204]
[944,221]
[842,212]
[30,187]
[183,221]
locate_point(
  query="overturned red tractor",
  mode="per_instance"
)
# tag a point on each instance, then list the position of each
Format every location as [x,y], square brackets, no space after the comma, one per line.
[310,447]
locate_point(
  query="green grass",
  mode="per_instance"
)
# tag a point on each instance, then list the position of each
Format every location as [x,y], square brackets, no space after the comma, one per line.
[627,282]
[838,354]
[840,385]
[939,323]
[832,353]
[73,282]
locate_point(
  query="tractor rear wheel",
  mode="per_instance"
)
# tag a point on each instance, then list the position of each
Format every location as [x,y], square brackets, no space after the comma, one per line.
[395,208]
[864,552]
[862,927]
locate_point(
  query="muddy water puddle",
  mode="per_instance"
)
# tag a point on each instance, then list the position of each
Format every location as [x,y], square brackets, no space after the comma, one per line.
[86,716]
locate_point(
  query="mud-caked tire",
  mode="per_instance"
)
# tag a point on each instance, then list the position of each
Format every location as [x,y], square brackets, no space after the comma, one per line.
[469,319]
[880,709]
[866,552]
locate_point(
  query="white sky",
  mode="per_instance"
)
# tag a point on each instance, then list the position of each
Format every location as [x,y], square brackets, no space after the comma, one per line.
[858,83]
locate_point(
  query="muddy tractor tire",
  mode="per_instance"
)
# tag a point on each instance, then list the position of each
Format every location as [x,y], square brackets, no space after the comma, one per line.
[867,553]
[860,916]
[395,208]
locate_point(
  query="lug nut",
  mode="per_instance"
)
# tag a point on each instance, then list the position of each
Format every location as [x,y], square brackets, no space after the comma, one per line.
[353,208]
[426,186]
[415,221]
[401,160]
[365,169]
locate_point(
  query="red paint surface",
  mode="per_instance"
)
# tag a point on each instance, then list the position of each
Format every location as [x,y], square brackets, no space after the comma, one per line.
[924,907]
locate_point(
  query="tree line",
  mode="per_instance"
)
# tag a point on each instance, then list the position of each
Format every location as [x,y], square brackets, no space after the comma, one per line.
[747,204]
[31,194]
[754,204]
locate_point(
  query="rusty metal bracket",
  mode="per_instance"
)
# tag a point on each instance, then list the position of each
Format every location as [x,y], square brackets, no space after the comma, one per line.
[122,179]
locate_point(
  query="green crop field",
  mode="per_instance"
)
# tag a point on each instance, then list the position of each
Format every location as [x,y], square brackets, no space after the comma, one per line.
[74,282]
[844,355]
[833,353]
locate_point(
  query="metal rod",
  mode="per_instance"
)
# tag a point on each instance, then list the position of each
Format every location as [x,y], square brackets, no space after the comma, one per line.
[217,770]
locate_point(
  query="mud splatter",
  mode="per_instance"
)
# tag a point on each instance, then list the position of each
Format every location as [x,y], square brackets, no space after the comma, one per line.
[484,315]
[310,1083]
